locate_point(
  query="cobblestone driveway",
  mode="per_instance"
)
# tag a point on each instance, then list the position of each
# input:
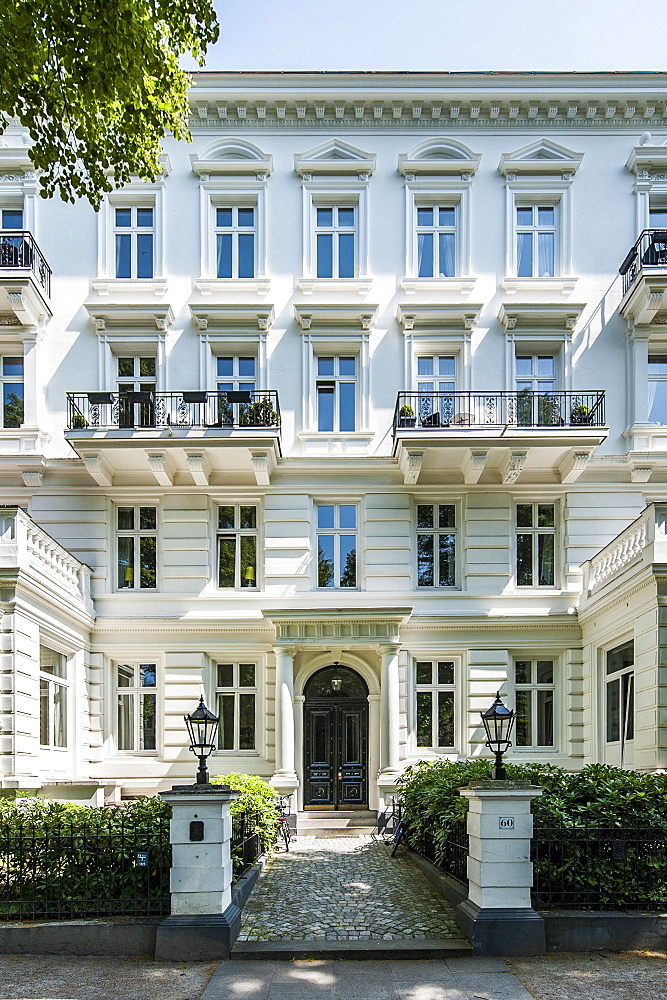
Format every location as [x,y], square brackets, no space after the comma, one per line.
[344,889]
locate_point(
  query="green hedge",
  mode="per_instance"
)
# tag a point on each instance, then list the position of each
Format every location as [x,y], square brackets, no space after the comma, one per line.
[257,797]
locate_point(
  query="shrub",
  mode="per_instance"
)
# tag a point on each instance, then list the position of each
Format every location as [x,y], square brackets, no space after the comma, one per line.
[257,797]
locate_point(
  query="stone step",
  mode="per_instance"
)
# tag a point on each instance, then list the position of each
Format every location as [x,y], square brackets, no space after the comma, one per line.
[328,832]
[399,948]
[332,823]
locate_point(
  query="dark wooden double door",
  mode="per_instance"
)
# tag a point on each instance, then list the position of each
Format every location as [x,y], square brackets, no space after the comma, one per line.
[335,745]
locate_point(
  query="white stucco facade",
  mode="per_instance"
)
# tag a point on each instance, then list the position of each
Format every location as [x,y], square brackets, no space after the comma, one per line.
[332,248]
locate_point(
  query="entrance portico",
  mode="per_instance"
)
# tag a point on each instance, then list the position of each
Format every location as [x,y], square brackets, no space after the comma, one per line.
[366,642]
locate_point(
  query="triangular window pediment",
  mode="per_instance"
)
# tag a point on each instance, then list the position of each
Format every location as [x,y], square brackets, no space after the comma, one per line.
[334,156]
[543,156]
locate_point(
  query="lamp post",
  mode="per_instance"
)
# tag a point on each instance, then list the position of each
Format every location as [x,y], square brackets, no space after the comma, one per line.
[498,721]
[202,729]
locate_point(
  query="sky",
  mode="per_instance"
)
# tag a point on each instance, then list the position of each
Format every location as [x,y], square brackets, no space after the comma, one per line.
[454,35]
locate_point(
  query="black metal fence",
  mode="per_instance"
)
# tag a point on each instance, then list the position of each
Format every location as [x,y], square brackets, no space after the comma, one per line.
[485,410]
[246,845]
[18,249]
[146,408]
[599,867]
[62,870]
[650,251]
[452,856]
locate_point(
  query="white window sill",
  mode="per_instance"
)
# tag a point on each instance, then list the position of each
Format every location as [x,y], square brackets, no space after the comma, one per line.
[327,443]
[358,286]
[136,753]
[121,286]
[222,286]
[564,285]
[457,286]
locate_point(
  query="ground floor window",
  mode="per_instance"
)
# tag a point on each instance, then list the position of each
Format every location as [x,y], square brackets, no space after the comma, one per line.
[534,698]
[136,706]
[52,698]
[620,694]
[236,697]
[435,703]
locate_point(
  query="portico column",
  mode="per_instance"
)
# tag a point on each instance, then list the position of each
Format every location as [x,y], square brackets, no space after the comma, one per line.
[389,715]
[284,777]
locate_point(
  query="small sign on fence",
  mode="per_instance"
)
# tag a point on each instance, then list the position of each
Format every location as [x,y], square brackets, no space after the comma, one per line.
[506,822]
[142,859]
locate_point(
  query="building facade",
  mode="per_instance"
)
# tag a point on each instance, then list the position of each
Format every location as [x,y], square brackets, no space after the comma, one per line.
[346,422]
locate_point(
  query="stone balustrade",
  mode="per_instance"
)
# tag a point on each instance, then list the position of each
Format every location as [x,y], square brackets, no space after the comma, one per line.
[26,546]
[645,539]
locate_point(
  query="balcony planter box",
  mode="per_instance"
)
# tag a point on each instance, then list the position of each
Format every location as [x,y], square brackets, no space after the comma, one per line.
[582,420]
[407,421]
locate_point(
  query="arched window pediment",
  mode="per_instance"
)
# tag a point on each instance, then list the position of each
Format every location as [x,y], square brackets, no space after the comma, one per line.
[439,156]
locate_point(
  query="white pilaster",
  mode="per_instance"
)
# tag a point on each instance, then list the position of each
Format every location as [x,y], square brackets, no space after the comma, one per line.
[389,714]
[284,777]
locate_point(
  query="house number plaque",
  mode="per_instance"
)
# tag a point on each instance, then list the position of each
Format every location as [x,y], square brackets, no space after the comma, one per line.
[506,822]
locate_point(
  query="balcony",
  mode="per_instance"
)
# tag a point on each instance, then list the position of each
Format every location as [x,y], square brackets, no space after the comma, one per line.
[497,437]
[175,437]
[644,273]
[25,278]
[635,552]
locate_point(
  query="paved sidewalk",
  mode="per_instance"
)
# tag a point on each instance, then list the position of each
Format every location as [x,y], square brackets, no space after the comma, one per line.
[345,889]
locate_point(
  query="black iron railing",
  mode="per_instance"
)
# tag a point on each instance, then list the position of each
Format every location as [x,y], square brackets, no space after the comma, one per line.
[650,251]
[148,409]
[599,867]
[452,855]
[18,249]
[246,845]
[479,410]
[62,870]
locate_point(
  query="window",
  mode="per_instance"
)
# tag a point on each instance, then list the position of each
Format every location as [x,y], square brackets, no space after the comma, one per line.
[535,544]
[536,384]
[534,699]
[235,242]
[134,239]
[236,694]
[236,373]
[15,251]
[436,374]
[136,704]
[336,545]
[335,234]
[657,218]
[436,545]
[52,698]
[336,393]
[657,388]
[536,234]
[620,699]
[436,241]
[237,545]
[137,548]
[435,703]
[136,388]
[12,391]
[12,218]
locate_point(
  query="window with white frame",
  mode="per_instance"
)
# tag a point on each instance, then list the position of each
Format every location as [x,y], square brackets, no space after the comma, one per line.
[336,545]
[657,217]
[534,700]
[237,545]
[136,383]
[436,385]
[11,376]
[12,218]
[535,380]
[235,241]
[53,689]
[620,694]
[436,241]
[136,546]
[236,373]
[134,240]
[336,389]
[136,698]
[436,545]
[536,229]
[435,703]
[657,388]
[535,544]
[236,696]
[335,241]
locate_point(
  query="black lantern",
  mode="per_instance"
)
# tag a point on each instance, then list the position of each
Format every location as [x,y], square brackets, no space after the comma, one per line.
[202,729]
[498,721]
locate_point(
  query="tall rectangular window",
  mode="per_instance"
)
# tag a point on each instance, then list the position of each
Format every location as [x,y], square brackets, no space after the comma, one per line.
[335,236]
[436,241]
[336,545]
[11,369]
[52,698]
[237,545]
[534,695]
[535,544]
[236,695]
[436,545]
[435,703]
[136,543]
[235,241]
[436,385]
[134,236]
[336,393]
[620,694]
[136,374]
[136,706]
[657,388]
[536,401]
[536,236]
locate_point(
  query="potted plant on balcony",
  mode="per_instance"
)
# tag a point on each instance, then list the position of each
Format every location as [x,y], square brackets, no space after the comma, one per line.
[79,422]
[581,414]
[258,414]
[406,416]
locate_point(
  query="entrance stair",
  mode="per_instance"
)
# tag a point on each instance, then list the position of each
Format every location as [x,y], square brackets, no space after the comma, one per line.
[334,823]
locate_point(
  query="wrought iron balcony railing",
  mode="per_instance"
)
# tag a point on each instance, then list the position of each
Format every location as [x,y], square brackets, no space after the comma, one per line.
[650,251]
[484,410]
[146,409]
[18,249]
